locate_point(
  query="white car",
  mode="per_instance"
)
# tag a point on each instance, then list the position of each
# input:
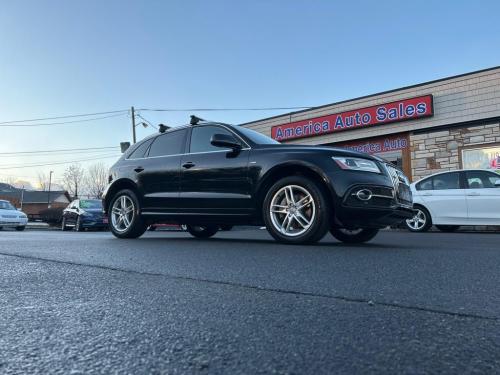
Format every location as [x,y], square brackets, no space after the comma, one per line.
[10,217]
[450,199]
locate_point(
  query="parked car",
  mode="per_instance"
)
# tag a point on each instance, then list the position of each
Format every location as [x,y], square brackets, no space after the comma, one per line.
[84,214]
[206,175]
[451,199]
[11,217]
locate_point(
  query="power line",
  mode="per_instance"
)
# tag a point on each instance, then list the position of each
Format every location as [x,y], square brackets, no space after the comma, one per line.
[68,116]
[60,123]
[58,163]
[219,109]
[59,150]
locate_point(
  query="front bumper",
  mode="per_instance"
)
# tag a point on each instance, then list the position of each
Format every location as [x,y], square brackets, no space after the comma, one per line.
[13,222]
[382,202]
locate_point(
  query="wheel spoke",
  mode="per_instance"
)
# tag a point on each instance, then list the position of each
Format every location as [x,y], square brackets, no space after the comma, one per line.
[303,202]
[126,220]
[301,219]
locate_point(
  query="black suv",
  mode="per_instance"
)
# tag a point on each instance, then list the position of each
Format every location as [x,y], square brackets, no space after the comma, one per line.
[208,174]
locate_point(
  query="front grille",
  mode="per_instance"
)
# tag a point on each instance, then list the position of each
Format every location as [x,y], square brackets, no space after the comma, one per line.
[401,185]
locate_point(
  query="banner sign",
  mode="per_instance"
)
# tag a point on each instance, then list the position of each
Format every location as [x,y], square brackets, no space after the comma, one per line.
[377,145]
[401,110]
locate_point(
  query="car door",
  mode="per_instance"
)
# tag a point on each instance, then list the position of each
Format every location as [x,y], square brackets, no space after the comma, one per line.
[483,197]
[158,174]
[214,179]
[444,197]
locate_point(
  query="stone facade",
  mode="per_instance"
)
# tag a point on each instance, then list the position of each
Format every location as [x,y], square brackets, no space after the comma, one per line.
[439,151]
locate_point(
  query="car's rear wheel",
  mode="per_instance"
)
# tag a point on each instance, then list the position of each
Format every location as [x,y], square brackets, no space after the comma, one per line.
[20,228]
[202,231]
[125,221]
[296,211]
[421,222]
[359,235]
[448,228]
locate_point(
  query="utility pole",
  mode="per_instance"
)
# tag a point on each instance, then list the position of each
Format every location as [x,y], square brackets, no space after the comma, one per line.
[133,123]
[48,195]
[22,197]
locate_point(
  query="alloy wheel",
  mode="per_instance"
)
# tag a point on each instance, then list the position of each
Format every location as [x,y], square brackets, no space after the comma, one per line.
[122,213]
[418,221]
[292,210]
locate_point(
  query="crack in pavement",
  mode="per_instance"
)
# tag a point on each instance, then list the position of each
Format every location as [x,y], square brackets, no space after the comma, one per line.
[266,289]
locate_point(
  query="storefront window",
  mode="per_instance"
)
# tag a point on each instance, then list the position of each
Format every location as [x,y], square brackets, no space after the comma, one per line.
[482,158]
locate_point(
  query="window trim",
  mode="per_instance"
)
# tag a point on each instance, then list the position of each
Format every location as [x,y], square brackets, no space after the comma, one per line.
[461,184]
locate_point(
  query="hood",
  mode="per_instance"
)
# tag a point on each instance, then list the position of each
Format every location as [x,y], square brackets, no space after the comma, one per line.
[335,150]
[12,213]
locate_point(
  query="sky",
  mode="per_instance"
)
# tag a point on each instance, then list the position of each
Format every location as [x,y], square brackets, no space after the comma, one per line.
[61,58]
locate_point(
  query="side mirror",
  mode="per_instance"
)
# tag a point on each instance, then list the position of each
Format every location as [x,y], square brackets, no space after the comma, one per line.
[497,182]
[225,141]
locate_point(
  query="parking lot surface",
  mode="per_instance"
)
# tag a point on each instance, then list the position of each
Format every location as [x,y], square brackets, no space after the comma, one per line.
[241,303]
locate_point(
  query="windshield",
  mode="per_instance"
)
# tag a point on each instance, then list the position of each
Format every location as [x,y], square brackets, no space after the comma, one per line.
[257,137]
[90,203]
[6,206]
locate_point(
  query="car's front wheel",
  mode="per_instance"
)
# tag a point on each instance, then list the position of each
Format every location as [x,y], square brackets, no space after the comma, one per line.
[353,235]
[296,211]
[125,221]
[420,222]
[64,226]
[202,231]
[20,228]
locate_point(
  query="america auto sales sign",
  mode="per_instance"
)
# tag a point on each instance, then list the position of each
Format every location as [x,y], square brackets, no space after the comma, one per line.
[401,110]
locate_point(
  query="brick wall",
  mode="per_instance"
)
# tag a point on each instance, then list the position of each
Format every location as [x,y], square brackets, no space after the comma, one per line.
[439,151]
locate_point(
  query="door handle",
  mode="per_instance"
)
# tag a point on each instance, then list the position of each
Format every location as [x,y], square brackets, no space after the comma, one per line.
[473,194]
[138,169]
[188,164]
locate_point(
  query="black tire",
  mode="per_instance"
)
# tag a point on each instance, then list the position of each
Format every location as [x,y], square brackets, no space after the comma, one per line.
[79,224]
[20,228]
[202,231]
[137,225]
[64,227]
[421,227]
[1,228]
[226,227]
[448,228]
[354,236]
[318,224]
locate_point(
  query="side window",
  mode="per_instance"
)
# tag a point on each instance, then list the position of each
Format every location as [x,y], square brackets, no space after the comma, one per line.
[481,179]
[425,184]
[171,143]
[446,181]
[140,150]
[201,136]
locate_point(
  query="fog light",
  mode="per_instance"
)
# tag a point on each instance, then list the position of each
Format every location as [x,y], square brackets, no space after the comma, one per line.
[364,195]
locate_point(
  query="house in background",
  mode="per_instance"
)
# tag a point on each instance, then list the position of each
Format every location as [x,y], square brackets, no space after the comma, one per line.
[33,201]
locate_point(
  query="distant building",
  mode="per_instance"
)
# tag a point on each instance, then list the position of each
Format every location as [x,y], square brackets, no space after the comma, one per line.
[34,202]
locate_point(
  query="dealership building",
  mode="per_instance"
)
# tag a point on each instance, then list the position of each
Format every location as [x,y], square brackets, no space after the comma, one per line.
[442,125]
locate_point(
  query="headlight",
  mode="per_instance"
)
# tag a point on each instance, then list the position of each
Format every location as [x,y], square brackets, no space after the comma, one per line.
[356,164]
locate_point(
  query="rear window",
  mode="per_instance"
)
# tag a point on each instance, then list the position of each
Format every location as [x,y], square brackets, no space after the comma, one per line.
[171,143]
[443,181]
[140,150]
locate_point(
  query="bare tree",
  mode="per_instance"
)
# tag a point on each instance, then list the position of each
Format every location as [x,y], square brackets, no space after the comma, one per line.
[96,179]
[43,181]
[73,178]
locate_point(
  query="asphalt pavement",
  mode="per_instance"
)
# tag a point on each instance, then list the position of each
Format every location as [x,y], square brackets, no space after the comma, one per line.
[241,303]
